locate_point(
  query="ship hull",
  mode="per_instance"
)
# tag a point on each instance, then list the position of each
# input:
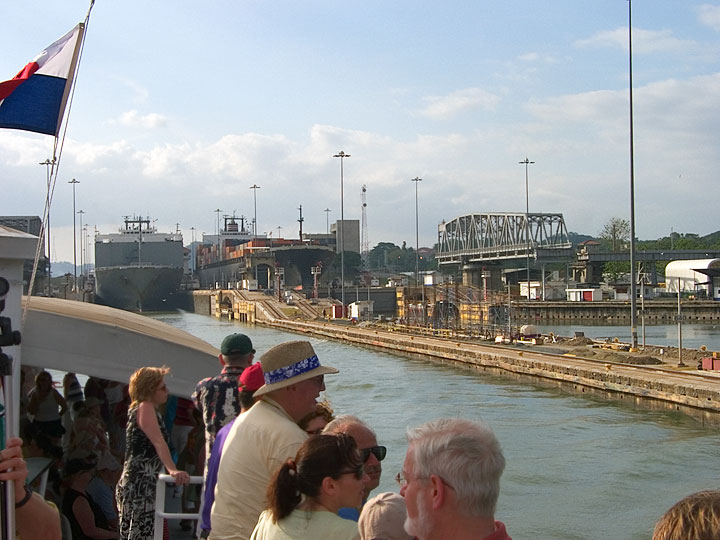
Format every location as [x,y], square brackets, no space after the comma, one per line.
[137,288]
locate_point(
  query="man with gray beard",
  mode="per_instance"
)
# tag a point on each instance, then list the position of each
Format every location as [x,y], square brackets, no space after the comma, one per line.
[451,481]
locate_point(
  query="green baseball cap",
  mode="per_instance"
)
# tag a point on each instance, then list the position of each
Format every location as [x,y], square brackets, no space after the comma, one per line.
[236,344]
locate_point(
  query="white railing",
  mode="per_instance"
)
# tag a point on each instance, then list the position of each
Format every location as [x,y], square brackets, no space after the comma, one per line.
[160,512]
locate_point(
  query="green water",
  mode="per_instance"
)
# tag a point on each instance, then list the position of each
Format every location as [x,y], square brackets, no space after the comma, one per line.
[578,467]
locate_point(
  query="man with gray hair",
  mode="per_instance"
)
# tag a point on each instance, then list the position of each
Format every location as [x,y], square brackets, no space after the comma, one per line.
[372,454]
[451,481]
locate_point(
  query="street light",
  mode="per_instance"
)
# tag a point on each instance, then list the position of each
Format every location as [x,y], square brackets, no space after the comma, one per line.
[255,187]
[82,267]
[73,182]
[217,211]
[527,222]
[48,169]
[633,293]
[417,245]
[342,155]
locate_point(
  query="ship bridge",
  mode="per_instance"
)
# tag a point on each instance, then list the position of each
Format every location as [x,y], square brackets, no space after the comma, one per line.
[483,245]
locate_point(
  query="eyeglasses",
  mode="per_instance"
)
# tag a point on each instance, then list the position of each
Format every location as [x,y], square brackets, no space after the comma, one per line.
[403,481]
[378,451]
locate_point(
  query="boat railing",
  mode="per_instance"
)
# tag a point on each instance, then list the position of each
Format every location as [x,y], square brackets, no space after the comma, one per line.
[160,513]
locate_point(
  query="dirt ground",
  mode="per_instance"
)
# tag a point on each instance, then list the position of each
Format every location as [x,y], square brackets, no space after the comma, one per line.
[618,352]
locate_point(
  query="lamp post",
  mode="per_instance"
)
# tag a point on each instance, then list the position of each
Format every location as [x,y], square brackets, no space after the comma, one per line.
[417,180]
[327,220]
[73,182]
[48,169]
[342,155]
[255,187]
[217,211]
[82,263]
[84,251]
[527,162]
[633,293]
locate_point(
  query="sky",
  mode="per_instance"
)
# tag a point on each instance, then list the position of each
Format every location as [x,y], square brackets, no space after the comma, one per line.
[181,106]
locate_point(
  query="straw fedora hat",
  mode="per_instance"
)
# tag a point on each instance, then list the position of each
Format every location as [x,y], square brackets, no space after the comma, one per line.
[290,363]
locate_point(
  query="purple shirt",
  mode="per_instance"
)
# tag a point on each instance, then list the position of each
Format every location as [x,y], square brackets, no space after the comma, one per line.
[212,472]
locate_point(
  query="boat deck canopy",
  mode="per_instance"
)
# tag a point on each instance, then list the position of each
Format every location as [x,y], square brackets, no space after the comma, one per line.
[110,343]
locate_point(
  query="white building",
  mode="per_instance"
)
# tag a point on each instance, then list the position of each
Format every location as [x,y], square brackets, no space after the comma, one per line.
[700,276]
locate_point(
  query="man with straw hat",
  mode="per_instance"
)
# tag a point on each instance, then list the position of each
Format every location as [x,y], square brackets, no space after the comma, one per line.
[265,437]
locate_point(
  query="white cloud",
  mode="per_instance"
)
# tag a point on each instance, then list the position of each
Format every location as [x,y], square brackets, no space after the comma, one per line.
[644,41]
[134,119]
[537,57]
[444,107]
[709,15]
[579,144]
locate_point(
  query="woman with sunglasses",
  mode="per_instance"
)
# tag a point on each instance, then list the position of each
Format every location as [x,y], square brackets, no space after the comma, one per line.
[146,454]
[307,492]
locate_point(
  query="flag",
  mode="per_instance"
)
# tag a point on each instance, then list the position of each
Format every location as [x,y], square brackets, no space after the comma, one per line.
[34,100]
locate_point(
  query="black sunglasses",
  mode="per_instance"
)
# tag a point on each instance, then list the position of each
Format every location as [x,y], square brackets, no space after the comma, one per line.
[378,451]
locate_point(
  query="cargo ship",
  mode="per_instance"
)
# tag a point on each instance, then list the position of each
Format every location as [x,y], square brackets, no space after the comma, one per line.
[137,268]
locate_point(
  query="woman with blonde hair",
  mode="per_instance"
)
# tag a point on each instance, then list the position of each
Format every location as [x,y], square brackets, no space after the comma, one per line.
[146,453]
[306,493]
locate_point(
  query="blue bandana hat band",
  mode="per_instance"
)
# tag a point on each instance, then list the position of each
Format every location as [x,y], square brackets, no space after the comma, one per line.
[293,370]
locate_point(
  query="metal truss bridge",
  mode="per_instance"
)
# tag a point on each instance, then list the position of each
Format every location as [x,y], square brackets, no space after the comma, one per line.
[503,238]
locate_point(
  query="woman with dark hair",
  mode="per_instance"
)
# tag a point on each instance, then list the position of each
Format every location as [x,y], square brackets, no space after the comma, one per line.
[44,404]
[313,423]
[146,455]
[87,520]
[307,492]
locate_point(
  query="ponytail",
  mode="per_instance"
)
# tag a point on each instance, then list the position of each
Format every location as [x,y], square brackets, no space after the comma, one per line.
[283,494]
[321,456]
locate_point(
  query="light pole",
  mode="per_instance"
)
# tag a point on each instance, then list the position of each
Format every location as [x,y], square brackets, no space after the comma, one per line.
[73,182]
[527,162]
[327,220]
[255,187]
[633,293]
[417,180]
[84,251]
[82,263]
[48,169]
[342,155]
[217,211]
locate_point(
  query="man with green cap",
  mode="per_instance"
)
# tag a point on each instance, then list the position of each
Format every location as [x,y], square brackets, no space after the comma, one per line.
[217,398]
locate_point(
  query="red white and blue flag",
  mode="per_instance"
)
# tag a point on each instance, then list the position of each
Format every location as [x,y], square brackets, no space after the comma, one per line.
[34,100]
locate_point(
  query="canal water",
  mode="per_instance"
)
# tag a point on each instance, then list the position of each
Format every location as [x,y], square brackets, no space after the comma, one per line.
[694,336]
[578,467]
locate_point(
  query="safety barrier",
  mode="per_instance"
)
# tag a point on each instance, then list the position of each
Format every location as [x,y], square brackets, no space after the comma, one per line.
[160,512]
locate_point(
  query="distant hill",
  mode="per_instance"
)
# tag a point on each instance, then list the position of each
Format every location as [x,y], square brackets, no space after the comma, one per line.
[576,238]
[712,238]
[60,268]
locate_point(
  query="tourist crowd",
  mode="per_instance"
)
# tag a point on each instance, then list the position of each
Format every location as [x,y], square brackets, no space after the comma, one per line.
[277,464]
